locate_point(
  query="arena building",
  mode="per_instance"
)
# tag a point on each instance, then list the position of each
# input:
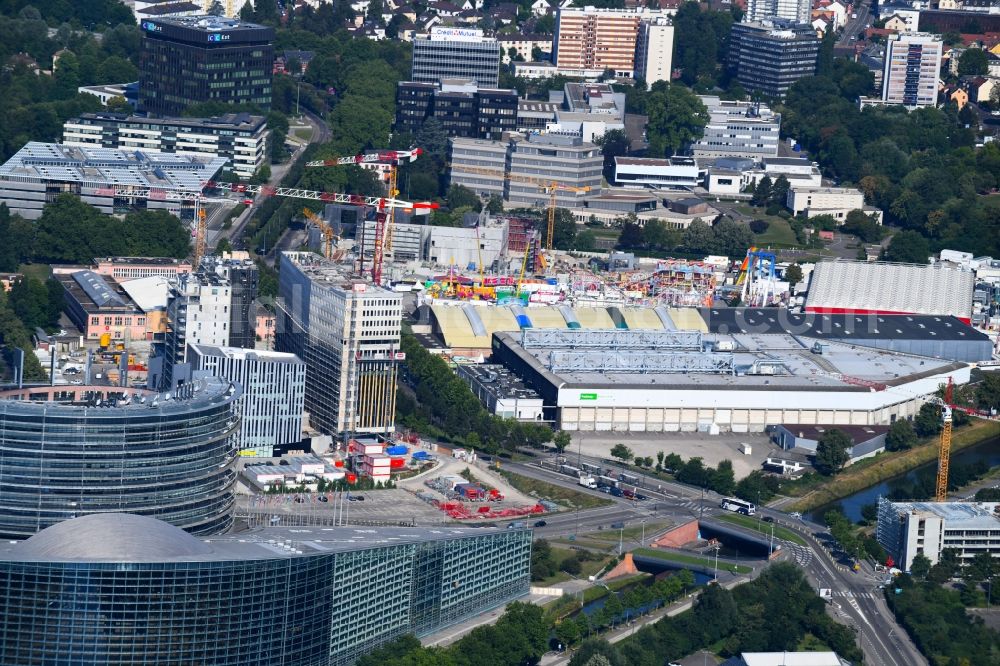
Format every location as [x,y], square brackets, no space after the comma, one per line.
[126,589]
[636,380]
[862,287]
[70,451]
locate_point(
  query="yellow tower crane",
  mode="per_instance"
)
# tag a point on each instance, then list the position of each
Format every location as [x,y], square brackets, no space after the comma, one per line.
[944,446]
[329,236]
[199,234]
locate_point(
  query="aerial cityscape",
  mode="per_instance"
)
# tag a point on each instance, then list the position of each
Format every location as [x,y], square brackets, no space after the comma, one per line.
[464,332]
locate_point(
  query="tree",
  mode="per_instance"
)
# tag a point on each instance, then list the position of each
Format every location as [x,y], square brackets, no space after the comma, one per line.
[722,479]
[973,62]
[568,632]
[988,391]
[900,436]
[762,192]
[698,237]
[908,247]
[561,440]
[495,205]
[793,275]
[928,420]
[865,227]
[832,451]
[622,453]
[731,238]
[631,236]
[920,567]
[564,230]
[586,241]
[460,196]
[613,143]
[676,118]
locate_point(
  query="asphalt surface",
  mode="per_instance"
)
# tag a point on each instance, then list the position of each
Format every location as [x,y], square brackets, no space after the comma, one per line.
[854,27]
[857,599]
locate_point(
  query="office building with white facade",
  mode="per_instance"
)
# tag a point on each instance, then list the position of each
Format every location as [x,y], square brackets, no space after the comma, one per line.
[672,173]
[456,53]
[738,129]
[240,138]
[836,202]
[792,10]
[273,400]
[348,332]
[654,51]
[908,529]
[912,69]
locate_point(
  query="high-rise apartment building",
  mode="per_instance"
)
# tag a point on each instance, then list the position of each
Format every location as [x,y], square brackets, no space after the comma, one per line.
[198,312]
[738,129]
[462,107]
[591,39]
[273,399]
[242,274]
[912,69]
[456,53]
[769,57]
[239,137]
[792,10]
[192,59]
[347,332]
[654,51]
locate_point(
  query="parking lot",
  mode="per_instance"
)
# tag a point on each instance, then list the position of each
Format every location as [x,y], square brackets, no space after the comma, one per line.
[379,507]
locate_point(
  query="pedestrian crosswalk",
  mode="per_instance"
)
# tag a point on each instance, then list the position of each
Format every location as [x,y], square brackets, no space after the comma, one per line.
[851,594]
[803,555]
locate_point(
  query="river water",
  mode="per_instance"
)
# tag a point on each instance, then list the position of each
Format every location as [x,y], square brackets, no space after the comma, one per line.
[988,452]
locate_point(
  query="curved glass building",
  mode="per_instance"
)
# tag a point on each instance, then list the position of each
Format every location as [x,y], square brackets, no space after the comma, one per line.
[72,451]
[124,590]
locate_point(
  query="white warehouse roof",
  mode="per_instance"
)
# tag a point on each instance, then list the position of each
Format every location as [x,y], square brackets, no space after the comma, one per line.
[875,287]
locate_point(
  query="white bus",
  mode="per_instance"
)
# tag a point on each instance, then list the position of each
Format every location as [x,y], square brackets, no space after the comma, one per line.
[739,506]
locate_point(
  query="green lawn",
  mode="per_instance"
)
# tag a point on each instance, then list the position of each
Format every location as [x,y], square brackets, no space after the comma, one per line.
[304,133]
[690,559]
[599,591]
[778,233]
[587,569]
[762,527]
[39,271]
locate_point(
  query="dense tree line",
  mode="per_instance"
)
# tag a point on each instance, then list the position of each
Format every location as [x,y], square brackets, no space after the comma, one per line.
[15,335]
[920,167]
[772,613]
[702,44]
[937,621]
[71,231]
[519,637]
[33,105]
[444,404]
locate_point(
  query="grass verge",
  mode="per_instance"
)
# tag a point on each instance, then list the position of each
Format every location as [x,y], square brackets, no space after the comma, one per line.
[631,533]
[587,568]
[598,591]
[763,528]
[40,272]
[544,490]
[690,559]
[889,465]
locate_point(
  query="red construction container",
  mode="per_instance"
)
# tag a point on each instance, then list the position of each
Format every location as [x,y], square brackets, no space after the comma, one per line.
[397,463]
[352,477]
[338,463]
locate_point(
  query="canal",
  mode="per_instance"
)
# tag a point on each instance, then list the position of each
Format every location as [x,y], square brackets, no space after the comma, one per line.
[987,452]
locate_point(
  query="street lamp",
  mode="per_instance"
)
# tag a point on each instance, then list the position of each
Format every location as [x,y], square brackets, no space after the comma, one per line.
[717,546]
[643,542]
[621,534]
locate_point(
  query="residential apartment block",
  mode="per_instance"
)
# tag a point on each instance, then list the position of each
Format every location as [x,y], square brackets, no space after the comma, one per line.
[596,40]
[463,108]
[456,53]
[836,202]
[655,51]
[792,10]
[198,312]
[273,399]
[738,129]
[240,138]
[770,56]
[912,69]
[347,331]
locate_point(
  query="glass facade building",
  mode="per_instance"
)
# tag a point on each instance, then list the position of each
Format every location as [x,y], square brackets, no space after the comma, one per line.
[127,590]
[456,53]
[69,451]
[192,59]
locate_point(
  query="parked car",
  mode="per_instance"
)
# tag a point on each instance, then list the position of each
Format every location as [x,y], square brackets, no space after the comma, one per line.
[540,523]
[768,519]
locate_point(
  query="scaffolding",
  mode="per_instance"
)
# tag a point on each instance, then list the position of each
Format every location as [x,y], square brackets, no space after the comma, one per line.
[610,339]
[642,362]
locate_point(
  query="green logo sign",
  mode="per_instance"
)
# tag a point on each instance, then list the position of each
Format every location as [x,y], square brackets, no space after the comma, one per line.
[588,396]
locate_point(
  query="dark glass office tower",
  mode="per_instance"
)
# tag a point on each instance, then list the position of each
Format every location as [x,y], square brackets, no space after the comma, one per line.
[192,59]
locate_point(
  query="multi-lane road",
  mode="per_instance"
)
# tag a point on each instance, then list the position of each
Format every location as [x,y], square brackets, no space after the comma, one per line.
[855,26]
[857,599]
